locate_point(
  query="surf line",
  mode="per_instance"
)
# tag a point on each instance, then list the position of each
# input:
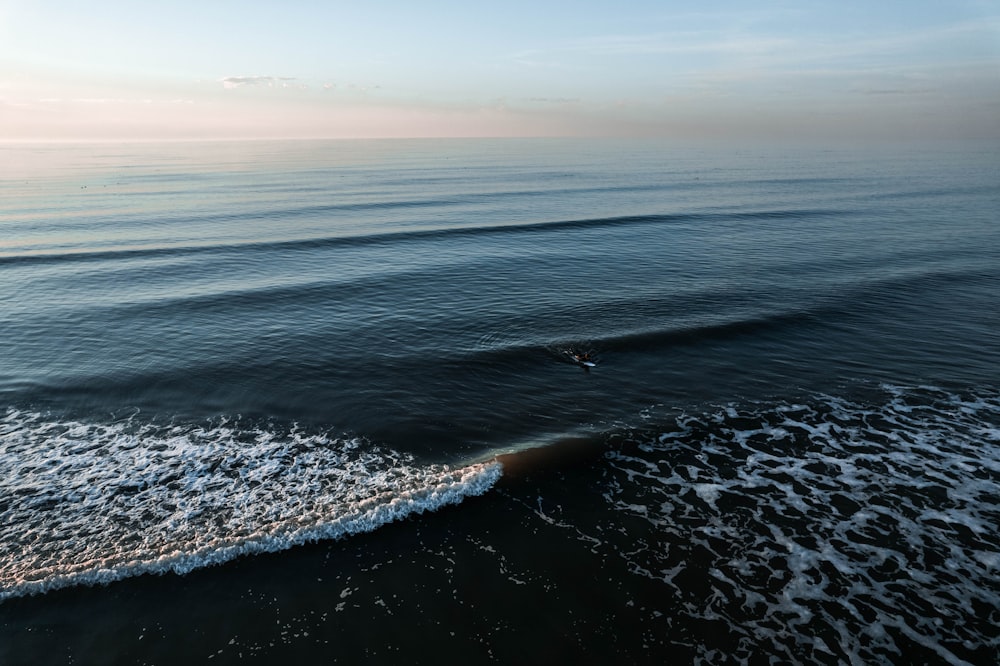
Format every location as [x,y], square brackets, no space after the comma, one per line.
[439,488]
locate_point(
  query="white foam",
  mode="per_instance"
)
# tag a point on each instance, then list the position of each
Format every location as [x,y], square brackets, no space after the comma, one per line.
[708,492]
[854,526]
[91,503]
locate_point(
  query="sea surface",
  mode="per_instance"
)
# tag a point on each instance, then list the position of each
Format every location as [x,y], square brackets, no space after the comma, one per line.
[317,402]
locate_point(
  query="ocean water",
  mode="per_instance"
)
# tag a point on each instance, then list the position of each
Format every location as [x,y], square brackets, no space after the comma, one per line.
[317,402]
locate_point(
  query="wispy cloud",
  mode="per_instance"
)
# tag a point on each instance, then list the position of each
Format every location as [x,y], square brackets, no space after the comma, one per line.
[94,100]
[554,100]
[680,44]
[775,50]
[687,43]
[265,81]
[895,91]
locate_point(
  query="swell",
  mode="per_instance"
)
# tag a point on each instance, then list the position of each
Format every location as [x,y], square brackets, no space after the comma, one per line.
[818,309]
[447,199]
[397,236]
[638,324]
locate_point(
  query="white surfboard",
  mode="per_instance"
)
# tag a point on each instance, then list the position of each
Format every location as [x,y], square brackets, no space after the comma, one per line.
[579,361]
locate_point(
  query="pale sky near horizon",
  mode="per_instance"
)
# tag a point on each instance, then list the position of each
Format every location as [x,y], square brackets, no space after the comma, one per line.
[111,69]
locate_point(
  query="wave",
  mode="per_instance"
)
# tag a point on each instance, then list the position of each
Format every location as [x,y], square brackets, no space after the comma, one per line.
[404,235]
[88,503]
[639,324]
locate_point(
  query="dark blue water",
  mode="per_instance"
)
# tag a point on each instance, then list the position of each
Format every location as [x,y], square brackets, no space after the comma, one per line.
[789,444]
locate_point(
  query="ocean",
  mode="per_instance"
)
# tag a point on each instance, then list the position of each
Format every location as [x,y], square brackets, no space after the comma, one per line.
[321,402]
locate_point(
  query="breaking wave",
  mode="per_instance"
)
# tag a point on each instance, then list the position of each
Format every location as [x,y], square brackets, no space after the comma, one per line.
[87,503]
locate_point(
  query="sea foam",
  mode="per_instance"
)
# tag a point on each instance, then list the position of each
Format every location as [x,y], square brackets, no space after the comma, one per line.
[86,503]
[854,526]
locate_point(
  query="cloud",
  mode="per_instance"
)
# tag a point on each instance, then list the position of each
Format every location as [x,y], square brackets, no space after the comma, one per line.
[267,81]
[699,50]
[555,100]
[895,91]
[694,43]
[97,100]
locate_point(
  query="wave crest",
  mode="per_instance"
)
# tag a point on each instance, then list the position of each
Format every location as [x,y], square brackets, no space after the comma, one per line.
[95,503]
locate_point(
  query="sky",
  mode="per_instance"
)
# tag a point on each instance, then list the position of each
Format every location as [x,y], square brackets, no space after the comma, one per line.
[115,69]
